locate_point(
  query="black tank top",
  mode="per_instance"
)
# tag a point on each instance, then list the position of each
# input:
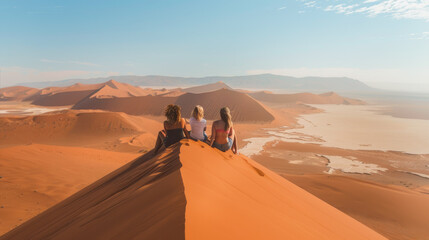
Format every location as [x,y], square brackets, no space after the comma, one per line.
[173,136]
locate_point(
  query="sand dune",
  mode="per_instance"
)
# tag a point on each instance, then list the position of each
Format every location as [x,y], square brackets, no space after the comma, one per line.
[143,105]
[395,212]
[63,96]
[112,89]
[120,97]
[309,98]
[389,201]
[243,107]
[177,195]
[35,177]
[71,127]
[207,88]
[16,93]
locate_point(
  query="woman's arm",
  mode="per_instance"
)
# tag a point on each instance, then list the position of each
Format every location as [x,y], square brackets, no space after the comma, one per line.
[234,147]
[165,128]
[184,129]
[213,136]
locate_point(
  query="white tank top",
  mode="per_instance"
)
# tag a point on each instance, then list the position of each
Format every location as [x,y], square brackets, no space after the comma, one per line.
[197,128]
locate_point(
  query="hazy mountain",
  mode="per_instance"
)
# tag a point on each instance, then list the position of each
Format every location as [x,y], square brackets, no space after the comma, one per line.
[262,81]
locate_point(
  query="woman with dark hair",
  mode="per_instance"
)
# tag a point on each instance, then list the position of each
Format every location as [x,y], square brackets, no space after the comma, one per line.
[174,128]
[223,134]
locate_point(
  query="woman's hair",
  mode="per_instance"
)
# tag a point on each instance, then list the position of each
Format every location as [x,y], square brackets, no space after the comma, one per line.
[198,112]
[225,115]
[172,112]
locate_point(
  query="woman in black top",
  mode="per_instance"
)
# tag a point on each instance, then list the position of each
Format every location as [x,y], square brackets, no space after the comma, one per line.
[174,128]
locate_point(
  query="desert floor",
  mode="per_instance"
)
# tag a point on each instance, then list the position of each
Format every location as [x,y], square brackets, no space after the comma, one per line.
[384,189]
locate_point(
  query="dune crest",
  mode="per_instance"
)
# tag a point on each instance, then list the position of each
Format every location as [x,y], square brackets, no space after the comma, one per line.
[191,191]
[70,95]
[207,88]
[243,107]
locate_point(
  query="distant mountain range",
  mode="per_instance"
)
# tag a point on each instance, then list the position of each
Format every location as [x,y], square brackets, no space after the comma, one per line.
[262,81]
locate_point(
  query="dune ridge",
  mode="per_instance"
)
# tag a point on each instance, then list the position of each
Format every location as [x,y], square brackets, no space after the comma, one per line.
[207,87]
[243,107]
[70,95]
[191,191]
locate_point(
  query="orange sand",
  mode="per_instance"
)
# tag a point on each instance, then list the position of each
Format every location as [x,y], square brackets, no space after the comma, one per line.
[243,107]
[35,177]
[78,128]
[16,93]
[191,191]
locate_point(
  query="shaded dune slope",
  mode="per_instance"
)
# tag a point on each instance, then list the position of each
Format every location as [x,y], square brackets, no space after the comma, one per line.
[63,96]
[34,177]
[309,98]
[243,107]
[177,195]
[143,105]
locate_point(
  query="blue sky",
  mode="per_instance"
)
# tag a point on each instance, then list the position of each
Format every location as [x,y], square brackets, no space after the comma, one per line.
[384,43]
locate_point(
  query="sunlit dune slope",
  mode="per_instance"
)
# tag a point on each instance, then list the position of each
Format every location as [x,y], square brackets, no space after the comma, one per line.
[191,191]
[243,107]
[65,127]
[16,93]
[310,98]
[207,88]
[397,213]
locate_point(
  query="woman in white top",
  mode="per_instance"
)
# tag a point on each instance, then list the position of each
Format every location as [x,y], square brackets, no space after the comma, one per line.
[198,124]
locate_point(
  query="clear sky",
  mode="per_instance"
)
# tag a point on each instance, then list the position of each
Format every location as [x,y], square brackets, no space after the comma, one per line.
[384,43]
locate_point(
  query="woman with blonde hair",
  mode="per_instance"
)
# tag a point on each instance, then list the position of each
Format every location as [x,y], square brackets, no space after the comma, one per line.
[174,128]
[223,134]
[198,124]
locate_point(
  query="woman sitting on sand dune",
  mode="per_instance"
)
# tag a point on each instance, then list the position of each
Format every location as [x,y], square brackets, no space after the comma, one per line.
[198,124]
[223,134]
[174,128]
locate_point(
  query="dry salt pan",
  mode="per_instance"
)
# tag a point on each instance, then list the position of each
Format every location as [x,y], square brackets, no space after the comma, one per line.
[255,145]
[29,111]
[351,166]
[296,162]
[417,174]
